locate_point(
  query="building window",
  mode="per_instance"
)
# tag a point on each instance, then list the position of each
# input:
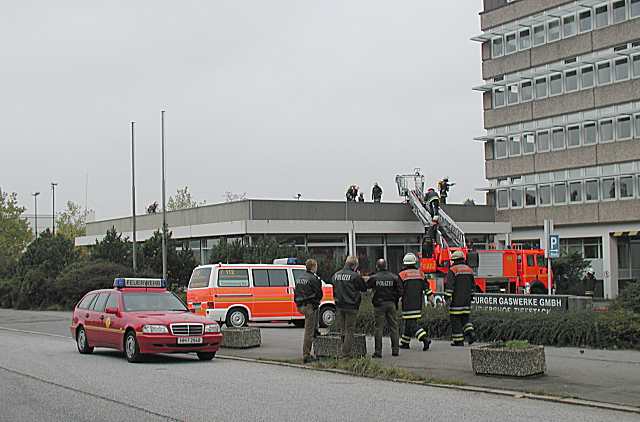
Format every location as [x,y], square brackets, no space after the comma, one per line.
[538,35]
[497,49]
[541,88]
[526,91]
[602,16]
[569,27]
[516,197]
[544,195]
[575,191]
[530,196]
[528,144]
[587,77]
[619,11]
[514,145]
[585,20]
[604,73]
[557,138]
[608,188]
[623,127]
[606,130]
[525,39]
[559,193]
[501,147]
[553,30]
[591,190]
[622,69]
[592,248]
[626,187]
[573,136]
[512,94]
[637,125]
[571,81]
[503,199]
[635,63]
[555,84]
[511,45]
[635,8]
[543,141]
[498,97]
[590,133]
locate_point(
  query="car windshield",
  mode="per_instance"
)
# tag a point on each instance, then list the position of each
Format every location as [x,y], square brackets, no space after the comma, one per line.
[152,302]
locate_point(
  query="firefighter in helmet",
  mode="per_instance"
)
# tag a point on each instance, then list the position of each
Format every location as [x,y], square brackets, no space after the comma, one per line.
[414,289]
[459,287]
[432,200]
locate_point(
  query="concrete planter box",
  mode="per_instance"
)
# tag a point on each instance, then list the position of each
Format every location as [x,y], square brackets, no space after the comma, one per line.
[328,345]
[498,360]
[241,338]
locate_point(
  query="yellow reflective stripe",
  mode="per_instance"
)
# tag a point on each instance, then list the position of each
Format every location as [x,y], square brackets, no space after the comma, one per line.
[411,316]
[448,293]
[459,312]
[112,330]
[428,292]
[466,330]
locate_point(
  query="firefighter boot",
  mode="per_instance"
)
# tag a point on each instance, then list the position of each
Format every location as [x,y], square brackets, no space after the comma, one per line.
[471,338]
[404,346]
[458,343]
[426,343]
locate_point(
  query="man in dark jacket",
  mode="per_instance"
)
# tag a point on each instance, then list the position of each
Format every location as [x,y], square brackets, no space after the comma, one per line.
[307,296]
[414,288]
[589,282]
[459,287]
[347,287]
[432,200]
[387,291]
[376,193]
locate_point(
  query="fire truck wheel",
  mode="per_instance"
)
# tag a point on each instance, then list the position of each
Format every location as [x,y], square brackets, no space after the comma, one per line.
[206,355]
[327,316]
[82,342]
[236,318]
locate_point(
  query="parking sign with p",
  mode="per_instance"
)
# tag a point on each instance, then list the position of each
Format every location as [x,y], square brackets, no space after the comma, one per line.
[554,246]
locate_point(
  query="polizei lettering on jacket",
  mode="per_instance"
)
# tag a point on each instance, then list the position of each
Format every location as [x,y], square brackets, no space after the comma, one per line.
[342,277]
[519,303]
[384,283]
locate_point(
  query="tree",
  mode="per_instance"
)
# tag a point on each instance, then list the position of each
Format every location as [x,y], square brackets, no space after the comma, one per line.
[179,264]
[469,202]
[72,222]
[49,254]
[182,200]
[113,248]
[15,233]
[232,197]
[568,272]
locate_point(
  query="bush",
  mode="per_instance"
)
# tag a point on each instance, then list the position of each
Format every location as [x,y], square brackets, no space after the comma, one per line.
[49,254]
[8,292]
[629,299]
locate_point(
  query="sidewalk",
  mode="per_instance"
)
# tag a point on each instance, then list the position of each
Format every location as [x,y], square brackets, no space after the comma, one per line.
[599,375]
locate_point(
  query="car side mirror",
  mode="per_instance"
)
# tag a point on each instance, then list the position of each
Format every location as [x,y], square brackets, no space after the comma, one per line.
[112,311]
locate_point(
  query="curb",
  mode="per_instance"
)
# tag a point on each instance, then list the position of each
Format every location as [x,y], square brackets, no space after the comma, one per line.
[493,391]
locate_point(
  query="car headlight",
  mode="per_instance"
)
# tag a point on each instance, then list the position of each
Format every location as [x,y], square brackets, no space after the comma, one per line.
[155,329]
[212,328]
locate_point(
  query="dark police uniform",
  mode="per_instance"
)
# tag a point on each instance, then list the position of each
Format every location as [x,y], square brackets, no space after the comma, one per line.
[307,296]
[348,286]
[459,287]
[414,287]
[387,291]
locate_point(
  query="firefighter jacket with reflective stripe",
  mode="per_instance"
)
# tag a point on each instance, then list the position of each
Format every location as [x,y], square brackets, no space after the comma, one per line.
[308,290]
[386,286]
[414,287]
[347,288]
[431,196]
[459,287]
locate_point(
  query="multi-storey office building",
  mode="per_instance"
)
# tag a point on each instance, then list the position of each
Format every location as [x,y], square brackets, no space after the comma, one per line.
[561,98]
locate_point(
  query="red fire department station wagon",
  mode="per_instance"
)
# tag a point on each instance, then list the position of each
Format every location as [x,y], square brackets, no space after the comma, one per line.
[139,316]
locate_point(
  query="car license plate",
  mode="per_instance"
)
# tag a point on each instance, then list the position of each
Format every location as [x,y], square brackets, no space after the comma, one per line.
[189,340]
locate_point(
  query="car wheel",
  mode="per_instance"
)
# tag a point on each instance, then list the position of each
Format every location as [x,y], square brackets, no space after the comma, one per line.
[131,348]
[237,318]
[206,355]
[327,316]
[82,342]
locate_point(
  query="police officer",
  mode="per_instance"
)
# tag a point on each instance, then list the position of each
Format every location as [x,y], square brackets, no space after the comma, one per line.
[376,193]
[347,287]
[589,282]
[387,291]
[307,296]
[414,288]
[459,286]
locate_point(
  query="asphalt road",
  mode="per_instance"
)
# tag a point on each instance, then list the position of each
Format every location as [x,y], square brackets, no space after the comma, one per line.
[43,378]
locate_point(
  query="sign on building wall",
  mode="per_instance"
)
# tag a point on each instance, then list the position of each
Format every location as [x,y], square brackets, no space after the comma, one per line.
[554,246]
[519,303]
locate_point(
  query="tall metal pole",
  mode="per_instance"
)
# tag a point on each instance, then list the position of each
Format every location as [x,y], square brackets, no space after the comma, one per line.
[133,194]
[53,207]
[35,207]
[164,207]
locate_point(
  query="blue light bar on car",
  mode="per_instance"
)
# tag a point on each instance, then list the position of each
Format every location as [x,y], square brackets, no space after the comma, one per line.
[119,283]
[288,261]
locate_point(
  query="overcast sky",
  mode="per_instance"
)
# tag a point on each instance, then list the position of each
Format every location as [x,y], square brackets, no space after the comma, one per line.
[270,97]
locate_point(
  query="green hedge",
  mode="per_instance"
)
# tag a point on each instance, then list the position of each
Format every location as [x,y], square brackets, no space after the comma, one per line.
[613,330]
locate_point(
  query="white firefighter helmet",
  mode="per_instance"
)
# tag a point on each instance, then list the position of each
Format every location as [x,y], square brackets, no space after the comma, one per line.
[410,259]
[457,255]
[591,271]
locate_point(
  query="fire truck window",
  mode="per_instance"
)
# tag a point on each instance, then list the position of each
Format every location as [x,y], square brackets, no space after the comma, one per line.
[84,303]
[542,262]
[531,261]
[233,277]
[278,278]
[200,278]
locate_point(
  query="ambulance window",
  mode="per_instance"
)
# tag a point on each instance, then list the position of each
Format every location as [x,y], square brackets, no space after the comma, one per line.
[112,302]
[260,278]
[233,277]
[200,278]
[100,303]
[531,261]
[84,303]
[270,278]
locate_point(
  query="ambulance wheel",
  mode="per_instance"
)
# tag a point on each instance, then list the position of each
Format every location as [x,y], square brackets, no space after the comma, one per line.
[131,348]
[206,355]
[236,318]
[327,316]
[82,342]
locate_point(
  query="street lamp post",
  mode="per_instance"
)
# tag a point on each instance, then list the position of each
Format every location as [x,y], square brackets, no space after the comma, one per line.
[164,206]
[35,208]
[53,207]
[133,194]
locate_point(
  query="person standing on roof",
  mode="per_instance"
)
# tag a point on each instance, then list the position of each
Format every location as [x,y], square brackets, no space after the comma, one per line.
[459,287]
[376,193]
[361,197]
[414,289]
[443,187]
